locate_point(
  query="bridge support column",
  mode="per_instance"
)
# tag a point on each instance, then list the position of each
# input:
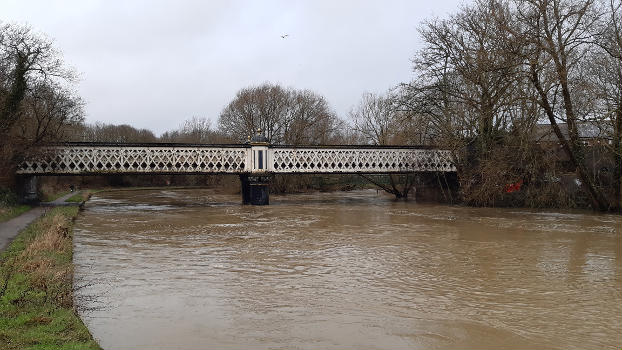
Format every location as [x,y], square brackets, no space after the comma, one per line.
[27,190]
[255,189]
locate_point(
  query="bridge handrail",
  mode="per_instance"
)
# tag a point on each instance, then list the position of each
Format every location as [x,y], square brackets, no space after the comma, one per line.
[230,145]
[148,144]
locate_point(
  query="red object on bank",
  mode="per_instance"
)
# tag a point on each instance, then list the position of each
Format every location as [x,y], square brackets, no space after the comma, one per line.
[513,187]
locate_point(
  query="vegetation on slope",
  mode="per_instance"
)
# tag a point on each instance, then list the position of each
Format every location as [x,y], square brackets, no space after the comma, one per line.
[36,288]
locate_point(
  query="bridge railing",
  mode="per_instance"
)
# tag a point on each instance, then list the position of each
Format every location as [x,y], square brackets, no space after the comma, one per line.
[358,160]
[100,159]
[84,158]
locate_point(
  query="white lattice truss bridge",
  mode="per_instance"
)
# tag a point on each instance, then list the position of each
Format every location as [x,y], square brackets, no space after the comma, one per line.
[84,159]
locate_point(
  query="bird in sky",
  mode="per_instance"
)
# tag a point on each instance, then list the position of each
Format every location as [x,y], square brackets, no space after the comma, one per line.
[284,36]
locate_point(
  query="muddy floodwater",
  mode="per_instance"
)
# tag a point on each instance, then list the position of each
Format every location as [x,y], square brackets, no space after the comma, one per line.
[354,270]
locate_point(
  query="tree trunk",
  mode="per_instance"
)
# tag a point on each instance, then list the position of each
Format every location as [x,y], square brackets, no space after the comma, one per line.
[9,112]
[617,156]
[572,150]
[393,189]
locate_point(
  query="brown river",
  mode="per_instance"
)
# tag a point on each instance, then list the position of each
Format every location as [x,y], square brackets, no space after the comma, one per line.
[190,269]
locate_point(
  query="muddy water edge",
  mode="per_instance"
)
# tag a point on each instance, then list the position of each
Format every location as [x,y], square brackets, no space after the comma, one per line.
[194,269]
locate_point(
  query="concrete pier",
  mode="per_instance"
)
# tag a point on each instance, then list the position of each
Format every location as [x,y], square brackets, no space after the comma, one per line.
[28,193]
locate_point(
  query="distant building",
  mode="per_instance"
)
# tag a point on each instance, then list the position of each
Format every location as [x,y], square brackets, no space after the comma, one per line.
[590,134]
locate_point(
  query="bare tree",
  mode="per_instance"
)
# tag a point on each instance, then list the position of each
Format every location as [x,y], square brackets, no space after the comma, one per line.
[604,75]
[285,116]
[100,132]
[557,35]
[36,102]
[309,119]
[196,130]
[28,59]
[471,95]
[380,122]
[474,86]
[48,114]
[470,68]
[263,107]
[376,119]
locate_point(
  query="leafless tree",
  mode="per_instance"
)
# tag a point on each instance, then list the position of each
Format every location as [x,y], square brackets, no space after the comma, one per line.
[27,59]
[285,116]
[100,132]
[309,119]
[474,87]
[37,104]
[557,35]
[195,130]
[470,72]
[263,107]
[470,94]
[380,122]
[376,119]
[604,79]
[48,115]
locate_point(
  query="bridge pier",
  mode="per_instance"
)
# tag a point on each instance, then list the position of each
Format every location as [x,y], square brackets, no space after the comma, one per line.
[255,189]
[27,190]
[256,185]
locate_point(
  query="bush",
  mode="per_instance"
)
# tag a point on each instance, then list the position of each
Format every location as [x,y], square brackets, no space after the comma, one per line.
[7,197]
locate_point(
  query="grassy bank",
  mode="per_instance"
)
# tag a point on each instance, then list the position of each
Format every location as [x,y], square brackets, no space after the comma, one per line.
[81,196]
[9,212]
[36,295]
[49,197]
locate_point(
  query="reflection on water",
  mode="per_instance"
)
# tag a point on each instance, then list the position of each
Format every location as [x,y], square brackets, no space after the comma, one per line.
[192,269]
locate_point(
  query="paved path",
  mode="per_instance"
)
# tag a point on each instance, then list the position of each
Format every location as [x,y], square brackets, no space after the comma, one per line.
[10,229]
[61,200]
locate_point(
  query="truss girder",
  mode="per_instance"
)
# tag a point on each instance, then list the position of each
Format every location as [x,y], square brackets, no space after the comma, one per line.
[364,160]
[76,160]
[120,159]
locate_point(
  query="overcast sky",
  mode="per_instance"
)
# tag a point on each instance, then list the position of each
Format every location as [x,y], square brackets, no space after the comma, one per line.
[153,64]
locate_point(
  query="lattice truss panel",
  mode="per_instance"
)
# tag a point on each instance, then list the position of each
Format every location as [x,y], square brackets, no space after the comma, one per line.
[106,159]
[326,160]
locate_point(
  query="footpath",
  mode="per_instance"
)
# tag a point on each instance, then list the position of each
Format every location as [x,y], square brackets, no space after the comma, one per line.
[10,229]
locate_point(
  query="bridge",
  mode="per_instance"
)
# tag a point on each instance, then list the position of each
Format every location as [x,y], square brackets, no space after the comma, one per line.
[255,161]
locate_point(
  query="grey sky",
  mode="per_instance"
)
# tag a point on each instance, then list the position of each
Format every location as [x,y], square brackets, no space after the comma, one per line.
[153,64]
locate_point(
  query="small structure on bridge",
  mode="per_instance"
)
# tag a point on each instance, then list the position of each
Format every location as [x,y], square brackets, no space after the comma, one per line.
[256,185]
[254,162]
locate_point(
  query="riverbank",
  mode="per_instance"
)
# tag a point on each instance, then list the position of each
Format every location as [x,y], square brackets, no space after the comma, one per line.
[36,290]
[9,212]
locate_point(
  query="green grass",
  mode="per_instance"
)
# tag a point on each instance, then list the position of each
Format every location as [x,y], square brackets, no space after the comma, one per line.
[36,296]
[78,197]
[83,195]
[7,213]
[49,197]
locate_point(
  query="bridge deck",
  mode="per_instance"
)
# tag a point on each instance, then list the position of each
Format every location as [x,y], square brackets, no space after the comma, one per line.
[98,158]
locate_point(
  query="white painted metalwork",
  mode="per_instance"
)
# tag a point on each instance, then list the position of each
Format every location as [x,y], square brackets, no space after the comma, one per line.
[261,156]
[102,159]
[137,159]
[359,160]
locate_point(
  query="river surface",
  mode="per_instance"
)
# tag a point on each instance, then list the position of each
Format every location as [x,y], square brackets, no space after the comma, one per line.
[193,269]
